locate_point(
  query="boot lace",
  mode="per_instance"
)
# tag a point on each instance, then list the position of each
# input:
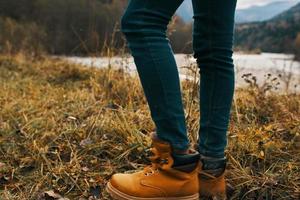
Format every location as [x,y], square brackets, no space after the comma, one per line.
[159,161]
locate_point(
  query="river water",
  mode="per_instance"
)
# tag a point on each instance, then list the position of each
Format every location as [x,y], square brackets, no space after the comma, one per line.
[277,70]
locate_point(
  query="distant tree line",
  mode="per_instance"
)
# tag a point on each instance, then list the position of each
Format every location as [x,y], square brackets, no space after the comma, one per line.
[77,27]
[278,35]
[59,26]
[92,27]
[297,47]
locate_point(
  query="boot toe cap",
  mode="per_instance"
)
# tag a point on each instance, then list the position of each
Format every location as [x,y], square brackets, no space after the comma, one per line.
[122,182]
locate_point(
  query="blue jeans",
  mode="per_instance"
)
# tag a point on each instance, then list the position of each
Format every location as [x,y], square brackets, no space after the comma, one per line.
[144,24]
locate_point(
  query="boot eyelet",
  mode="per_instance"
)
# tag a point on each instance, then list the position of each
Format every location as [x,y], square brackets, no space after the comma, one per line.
[164,161]
[148,173]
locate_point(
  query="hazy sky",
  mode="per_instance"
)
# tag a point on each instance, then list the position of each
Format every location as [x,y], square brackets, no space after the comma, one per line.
[247,3]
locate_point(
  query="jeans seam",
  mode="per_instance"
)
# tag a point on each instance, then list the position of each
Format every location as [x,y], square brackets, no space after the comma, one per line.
[213,65]
[155,67]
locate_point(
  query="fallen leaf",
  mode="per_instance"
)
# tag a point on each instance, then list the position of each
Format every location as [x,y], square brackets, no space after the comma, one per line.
[262,154]
[86,142]
[297,141]
[51,195]
[72,118]
[85,169]
[2,165]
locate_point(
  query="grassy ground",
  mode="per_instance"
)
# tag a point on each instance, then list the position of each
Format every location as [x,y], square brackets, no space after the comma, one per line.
[65,129]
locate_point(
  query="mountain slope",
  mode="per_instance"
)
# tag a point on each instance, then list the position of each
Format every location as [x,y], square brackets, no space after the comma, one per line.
[275,35]
[254,13]
[185,11]
[262,13]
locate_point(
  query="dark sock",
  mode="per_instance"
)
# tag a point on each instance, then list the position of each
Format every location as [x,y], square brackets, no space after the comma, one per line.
[213,166]
[209,163]
[186,162]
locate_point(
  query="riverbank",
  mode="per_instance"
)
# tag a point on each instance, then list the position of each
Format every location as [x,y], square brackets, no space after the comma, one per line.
[66,128]
[276,71]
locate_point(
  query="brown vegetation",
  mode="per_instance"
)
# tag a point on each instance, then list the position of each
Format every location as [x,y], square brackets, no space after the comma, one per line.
[65,129]
[297,47]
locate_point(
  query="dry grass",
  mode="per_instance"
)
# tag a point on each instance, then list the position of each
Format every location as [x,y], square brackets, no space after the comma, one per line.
[67,128]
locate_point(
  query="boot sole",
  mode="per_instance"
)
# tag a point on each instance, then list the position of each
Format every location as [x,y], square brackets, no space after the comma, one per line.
[118,195]
[213,196]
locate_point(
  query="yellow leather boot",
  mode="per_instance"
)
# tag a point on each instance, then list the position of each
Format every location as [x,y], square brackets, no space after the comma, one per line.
[212,181]
[158,181]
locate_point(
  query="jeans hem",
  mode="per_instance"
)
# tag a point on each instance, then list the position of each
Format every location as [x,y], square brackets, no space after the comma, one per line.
[211,153]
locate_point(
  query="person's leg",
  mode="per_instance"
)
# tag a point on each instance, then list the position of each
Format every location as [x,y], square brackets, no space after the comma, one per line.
[144,24]
[171,175]
[212,42]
